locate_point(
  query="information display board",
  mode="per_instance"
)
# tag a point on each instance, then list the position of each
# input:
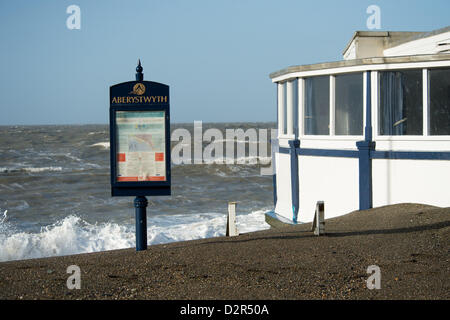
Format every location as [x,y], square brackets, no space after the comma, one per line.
[141,146]
[140,139]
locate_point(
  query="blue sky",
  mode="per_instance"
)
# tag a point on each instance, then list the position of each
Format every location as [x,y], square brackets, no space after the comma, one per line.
[216,55]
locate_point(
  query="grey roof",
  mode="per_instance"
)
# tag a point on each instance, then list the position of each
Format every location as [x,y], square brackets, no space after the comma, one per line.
[393,38]
[422,35]
[358,62]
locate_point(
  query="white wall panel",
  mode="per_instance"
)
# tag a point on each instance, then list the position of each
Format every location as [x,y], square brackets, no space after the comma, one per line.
[284,196]
[416,181]
[332,180]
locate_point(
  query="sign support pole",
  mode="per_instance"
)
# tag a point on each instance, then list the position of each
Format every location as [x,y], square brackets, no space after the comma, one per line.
[139,113]
[140,203]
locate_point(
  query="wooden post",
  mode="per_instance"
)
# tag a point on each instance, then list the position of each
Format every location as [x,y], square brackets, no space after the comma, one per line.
[319,219]
[231,220]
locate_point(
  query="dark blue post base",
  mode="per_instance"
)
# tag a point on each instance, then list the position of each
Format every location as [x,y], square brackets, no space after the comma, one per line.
[274,185]
[365,174]
[294,145]
[140,203]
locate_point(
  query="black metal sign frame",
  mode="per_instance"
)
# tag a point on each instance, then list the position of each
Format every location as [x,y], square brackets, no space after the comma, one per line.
[139,96]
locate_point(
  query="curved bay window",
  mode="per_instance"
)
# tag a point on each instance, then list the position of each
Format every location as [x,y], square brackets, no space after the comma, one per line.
[317,105]
[401,103]
[439,99]
[349,107]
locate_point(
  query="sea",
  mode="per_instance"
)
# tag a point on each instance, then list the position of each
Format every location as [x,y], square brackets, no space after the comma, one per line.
[55,192]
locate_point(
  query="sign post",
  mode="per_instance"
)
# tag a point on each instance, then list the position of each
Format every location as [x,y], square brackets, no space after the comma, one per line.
[140,203]
[139,127]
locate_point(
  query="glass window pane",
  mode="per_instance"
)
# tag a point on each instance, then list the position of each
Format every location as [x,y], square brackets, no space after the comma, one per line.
[317,105]
[400,110]
[140,146]
[439,93]
[349,104]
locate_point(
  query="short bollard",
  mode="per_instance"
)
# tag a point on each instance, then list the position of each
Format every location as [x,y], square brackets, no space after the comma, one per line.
[231,220]
[319,219]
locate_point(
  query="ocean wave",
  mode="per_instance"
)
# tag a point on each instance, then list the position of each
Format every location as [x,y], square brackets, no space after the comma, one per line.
[104,145]
[73,235]
[246,160]
[69,236]
[18,205]
[236,141]
[30,169]
[4,218]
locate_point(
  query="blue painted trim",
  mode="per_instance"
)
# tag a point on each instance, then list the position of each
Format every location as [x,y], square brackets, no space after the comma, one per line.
[374,154]
[274,184]
[322,152]
[328,153]
[410,155]
[295,145]
[365,174]
[282,219]
[365,148]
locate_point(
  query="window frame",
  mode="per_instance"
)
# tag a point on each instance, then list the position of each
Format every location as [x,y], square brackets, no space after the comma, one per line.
[347,141]
[364,103]
[427,99]
[424,104]
[332,105]
[425,136]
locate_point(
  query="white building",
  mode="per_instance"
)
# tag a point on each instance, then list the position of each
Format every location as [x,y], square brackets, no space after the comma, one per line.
[367,131]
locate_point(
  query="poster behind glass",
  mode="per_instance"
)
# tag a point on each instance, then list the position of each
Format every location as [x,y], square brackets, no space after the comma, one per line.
[141,151]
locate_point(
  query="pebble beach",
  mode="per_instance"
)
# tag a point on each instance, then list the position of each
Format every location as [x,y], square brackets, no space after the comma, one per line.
[408,242]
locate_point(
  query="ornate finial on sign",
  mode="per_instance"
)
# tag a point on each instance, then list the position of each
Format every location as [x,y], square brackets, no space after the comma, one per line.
[139,74]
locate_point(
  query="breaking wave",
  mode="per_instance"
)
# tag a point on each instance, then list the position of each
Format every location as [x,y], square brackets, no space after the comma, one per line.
[104,145]
[31,170]
[73,235]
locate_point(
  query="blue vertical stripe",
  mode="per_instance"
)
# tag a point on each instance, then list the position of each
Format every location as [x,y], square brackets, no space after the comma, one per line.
[295,145]
[365,148]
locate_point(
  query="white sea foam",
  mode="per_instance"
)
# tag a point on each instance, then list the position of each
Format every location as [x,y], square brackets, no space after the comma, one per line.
[5,217]
[17,186]
[73,235]
[69,155]
[246,160]
[69,236]
[236,141]
[30,169]
[104,145]
[34,170]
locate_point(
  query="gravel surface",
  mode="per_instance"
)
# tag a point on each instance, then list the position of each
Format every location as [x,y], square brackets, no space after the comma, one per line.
[409,242]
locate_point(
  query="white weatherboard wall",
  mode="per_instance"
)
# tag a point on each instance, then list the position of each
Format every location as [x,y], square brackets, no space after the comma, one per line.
[332,180]
[284,193]
[417,181]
